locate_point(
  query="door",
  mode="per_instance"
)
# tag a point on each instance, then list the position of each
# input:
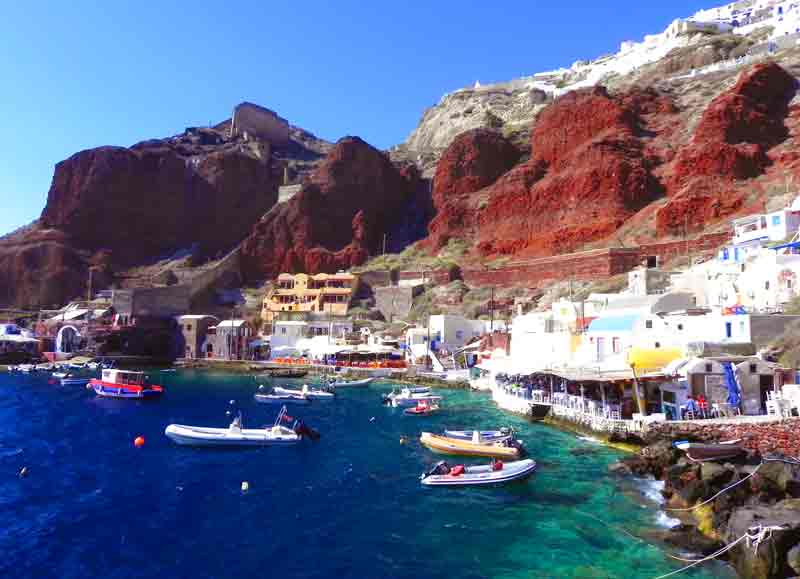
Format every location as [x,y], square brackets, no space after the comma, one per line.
[728,329]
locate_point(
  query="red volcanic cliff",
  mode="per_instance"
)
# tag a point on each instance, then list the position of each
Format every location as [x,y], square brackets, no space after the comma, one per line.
[589,171]
[474,160]
[145,201]
[598,160]
[730,143]
[336,220]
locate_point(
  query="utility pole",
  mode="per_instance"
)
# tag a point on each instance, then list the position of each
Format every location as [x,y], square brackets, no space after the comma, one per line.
[491,313]
[686,239]
[384,244]
[428,343]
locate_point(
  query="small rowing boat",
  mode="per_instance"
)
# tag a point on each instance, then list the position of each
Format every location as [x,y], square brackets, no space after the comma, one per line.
[312,393]
[351,383]
[124,384]
[702,452]
[509,449]
[486,435]
[495,473]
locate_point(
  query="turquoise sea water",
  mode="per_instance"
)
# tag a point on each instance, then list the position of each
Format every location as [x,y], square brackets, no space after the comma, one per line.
[350,505]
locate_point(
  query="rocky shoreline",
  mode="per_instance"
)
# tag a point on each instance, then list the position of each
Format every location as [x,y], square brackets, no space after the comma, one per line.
[750,505]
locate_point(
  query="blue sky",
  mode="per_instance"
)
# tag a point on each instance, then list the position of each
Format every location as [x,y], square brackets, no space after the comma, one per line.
[81,74]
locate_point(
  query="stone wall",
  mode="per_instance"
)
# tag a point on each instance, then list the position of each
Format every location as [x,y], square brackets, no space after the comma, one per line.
[435,276]
[159,302]
[764,437]
[395,302]
[589,265]
[259,122]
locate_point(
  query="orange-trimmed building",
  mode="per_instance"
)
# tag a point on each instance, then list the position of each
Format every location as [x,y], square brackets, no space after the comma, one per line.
[323,292]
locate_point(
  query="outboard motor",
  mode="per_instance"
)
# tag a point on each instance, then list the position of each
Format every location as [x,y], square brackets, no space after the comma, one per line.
[304,430]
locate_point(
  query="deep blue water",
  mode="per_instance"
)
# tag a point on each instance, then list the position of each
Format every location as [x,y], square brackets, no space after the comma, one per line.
[350,505]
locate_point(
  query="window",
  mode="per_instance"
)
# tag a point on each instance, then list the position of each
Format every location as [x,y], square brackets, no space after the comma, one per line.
[680,326]
[788,284]
[459,334]
[615,345]
[728,329]
[776,219]
[649,324]
[188,327]
[652,261]
[709,368]
[753,368]
[283,330]
[209,348]
[766,285]
[658,344]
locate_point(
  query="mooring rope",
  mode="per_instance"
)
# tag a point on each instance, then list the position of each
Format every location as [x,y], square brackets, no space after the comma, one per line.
[790,460]
[740,481]
[722,551]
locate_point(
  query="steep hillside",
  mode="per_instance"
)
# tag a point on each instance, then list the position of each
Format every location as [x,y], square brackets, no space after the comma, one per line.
[114,208]
[337,219]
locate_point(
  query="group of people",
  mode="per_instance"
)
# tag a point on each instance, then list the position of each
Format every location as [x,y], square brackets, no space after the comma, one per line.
[695,407]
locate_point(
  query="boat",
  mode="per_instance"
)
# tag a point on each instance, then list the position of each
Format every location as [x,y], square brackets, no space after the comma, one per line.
[476,447]
[285,372]
[70,380]
[60,374]
[486,435]
[282,399]
[237,435]
[411,397]
[423,408]
[350,383]
[124,384]
[490,474]
[312,393]
[702,452]
[93,366]
[26,368]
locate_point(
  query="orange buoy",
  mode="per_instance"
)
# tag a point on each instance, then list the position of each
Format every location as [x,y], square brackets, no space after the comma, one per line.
[138,442]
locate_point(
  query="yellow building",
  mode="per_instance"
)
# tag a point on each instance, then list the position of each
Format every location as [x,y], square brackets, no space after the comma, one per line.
[323,293]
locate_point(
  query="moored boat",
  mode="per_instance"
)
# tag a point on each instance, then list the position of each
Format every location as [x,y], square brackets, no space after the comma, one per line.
[423,408]
[485,435]
[702,452]
[509,449]
[305,391]
[74,381]
[411,397]
[282,399]
[124,384]
[237,435]
[351,383]
[495,473]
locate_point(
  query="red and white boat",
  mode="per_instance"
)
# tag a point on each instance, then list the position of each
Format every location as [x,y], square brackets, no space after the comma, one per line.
[422,408]
[124,384]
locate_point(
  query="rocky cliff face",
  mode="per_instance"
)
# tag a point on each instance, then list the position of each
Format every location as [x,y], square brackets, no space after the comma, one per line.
[599,160]
[150,199]
[473,161]
[198,193]
[336,220]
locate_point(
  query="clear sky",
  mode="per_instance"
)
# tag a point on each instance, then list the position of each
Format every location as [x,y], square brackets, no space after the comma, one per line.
[76,75]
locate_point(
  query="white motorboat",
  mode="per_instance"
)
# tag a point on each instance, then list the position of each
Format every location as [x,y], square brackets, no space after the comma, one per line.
[26,368]
[351,383]
[60,374]
[411,397]
[236,435]
[312,393]
[504,433]
[282,399]
[495,473]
